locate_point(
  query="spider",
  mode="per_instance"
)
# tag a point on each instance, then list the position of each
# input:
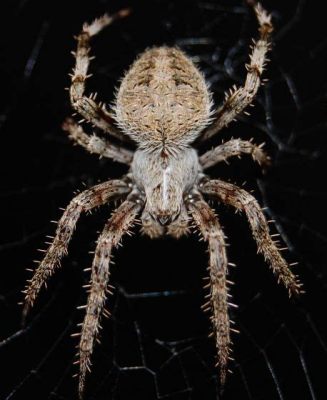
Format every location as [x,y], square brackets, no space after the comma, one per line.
[164,106]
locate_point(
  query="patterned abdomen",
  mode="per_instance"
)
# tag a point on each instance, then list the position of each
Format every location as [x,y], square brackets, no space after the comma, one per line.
[163,99]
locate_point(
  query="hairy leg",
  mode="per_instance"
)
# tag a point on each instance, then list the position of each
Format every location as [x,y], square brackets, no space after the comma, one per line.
[117,225]
[244,201]
[234,147]
[95,113]
[239,98]
[95,144]
[85,201]
[209,226]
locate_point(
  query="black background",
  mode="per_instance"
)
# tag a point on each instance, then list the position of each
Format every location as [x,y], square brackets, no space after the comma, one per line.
[156,346]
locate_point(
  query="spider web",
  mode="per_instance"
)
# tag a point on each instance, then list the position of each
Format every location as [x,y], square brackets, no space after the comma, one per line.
[156,344]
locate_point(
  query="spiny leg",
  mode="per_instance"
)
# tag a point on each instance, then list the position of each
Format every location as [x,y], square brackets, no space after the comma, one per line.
[95,144]
[117,225]
[209,226]
[85,201]
[239,98]
[232,148]
[95,113]
[242,200]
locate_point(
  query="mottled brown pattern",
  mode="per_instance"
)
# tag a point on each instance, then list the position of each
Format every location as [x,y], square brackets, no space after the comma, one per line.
[232,148]
[241,97]
[163,105]
[95,113]
[85,201]
[96,145]
[117,225]
[212,233]
[163,99]
[244,201]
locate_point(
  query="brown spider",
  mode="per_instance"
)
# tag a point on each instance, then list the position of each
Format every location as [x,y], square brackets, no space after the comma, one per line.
[163,105]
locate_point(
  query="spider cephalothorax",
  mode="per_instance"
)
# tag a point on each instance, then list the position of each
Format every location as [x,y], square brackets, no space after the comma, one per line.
[163,105]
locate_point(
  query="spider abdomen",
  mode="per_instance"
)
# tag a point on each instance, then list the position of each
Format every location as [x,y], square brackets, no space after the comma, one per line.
[163,99]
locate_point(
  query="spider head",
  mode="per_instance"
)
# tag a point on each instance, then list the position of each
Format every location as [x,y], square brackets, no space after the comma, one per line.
[164,180]
[164,199]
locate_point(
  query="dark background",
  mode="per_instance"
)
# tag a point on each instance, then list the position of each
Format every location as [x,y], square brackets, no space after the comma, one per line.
[156,345]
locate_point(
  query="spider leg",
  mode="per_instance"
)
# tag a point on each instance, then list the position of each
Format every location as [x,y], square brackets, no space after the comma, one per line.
[239,98]
[117,225]
[95,113]
[95,144]
[209,226]
[85,201]
[232,148]
[244,201]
